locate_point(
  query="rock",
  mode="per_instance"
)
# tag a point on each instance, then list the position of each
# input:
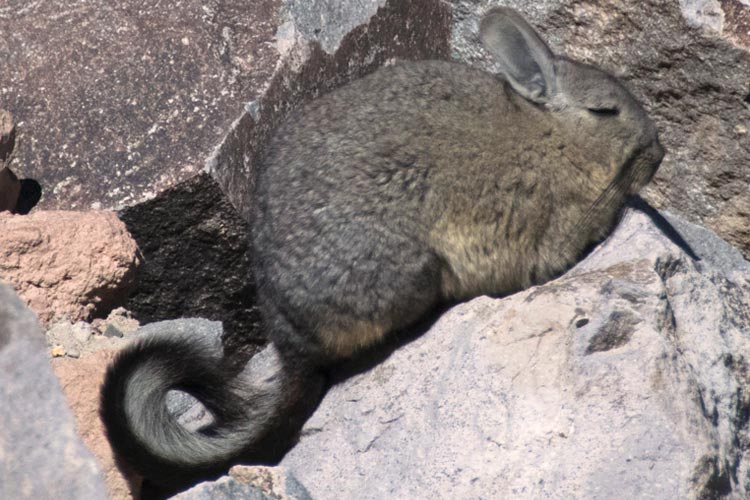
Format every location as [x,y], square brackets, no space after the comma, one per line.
[119,323]
[110,132]
[74,339]
[80,380]
[7,135]
[84,351]
[250,483]
[68,264]
[81,338]
[10,190]
[625,378]
[689,62]
[40,454]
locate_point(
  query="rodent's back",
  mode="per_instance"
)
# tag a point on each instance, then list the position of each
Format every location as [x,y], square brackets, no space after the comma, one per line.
[407,144]
[435,151]
[383,143]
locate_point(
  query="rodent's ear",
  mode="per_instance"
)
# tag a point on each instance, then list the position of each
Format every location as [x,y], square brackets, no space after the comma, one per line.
[525,60]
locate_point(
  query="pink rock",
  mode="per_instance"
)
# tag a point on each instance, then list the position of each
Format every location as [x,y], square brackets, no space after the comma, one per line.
[80,380]
[68,264]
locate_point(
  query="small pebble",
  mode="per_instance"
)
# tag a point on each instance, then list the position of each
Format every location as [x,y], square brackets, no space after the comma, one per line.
[113,332]
[82,332]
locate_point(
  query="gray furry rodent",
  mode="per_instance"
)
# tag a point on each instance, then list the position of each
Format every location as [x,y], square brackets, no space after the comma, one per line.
[421,184]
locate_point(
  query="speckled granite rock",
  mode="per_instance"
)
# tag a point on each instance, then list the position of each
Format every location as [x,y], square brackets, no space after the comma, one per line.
[118,102]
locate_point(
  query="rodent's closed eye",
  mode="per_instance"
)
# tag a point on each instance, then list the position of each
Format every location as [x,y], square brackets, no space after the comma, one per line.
[605,112]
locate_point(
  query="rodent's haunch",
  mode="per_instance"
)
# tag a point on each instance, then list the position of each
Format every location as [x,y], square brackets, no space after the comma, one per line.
[421,184]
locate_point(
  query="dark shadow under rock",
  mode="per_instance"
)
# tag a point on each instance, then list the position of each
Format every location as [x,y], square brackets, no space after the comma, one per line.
[196,262]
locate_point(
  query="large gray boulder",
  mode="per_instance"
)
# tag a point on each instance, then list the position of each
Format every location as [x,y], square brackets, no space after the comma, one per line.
[117,102]
[40,454]
[625,378]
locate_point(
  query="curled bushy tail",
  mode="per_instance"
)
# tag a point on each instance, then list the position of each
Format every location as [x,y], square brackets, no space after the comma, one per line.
[246,408]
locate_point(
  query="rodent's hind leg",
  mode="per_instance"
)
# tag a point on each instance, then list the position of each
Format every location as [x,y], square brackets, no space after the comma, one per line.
[344,289]
[404,294]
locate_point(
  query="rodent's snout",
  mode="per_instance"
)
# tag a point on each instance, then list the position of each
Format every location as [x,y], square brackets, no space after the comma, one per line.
[649,161]
[655,155]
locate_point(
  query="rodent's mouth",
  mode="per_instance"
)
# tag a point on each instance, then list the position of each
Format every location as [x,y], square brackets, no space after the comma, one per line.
[645,163]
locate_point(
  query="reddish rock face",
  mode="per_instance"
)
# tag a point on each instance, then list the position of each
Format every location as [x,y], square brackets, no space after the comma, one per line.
[80,380]
[122,101]
[67,264]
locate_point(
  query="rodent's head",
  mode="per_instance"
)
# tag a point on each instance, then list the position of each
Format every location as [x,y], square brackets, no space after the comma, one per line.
[589,104]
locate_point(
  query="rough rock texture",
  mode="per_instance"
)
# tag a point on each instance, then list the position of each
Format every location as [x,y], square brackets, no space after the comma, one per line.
[7,135]
[689,62]
[121,101]
[249,483]
[40,454]
[625,378]
[67,264]
[76,339]
[95,344]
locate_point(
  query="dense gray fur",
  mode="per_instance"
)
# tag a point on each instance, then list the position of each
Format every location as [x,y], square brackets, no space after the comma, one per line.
[423,183]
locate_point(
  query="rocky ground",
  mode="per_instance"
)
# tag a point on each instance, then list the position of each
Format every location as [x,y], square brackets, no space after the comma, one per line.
[138,125]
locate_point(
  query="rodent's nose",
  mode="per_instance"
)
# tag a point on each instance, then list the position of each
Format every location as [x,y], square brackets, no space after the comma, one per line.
[651,159]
